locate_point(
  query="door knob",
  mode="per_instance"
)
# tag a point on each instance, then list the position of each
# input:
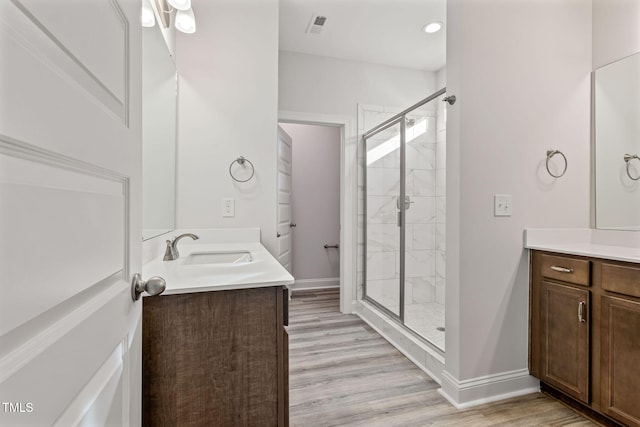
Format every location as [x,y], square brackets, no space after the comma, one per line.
[292,224]
[154,286]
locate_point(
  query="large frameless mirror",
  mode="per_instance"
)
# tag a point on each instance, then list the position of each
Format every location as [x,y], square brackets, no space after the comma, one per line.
[159,93]
[616,91]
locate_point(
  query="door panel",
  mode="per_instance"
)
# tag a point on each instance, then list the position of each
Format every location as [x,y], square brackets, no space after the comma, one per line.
[384,257]
[620,323]
[70,143]
[565,339]
[284,199]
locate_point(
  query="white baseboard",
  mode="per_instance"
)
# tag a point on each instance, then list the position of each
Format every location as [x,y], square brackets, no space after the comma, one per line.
[308,284]
[491,388]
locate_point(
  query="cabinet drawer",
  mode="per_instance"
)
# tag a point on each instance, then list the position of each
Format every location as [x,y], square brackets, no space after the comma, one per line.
[622,279]
[571,270]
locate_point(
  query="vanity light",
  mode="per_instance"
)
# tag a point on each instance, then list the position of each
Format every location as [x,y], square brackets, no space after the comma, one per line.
[180,4]
[432,27]
[148,17]
[186,21]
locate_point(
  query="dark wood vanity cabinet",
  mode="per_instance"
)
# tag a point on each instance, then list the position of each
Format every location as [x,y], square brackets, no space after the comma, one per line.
[585,334]
[560,338]
[216,358]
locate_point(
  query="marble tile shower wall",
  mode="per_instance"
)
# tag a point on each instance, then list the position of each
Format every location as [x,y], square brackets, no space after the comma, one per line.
[424,259]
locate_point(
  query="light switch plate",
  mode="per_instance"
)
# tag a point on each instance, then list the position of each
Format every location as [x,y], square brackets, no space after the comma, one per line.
[228,208]
[502,204]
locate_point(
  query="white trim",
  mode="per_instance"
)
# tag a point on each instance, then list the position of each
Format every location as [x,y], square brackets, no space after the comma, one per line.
[486,389]
[303,284]
[348,196]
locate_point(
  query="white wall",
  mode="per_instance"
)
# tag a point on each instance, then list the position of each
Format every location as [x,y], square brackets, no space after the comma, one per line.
[616,30]
[523,86]
[228,106]
[316,201]
[317,84]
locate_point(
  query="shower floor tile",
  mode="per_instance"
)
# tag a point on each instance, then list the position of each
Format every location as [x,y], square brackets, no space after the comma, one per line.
[427,319]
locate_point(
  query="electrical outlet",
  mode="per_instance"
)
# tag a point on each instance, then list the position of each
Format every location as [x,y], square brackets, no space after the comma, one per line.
[228,208]
[502,204]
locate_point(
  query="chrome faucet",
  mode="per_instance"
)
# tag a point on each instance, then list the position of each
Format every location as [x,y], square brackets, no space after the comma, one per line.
[171,253]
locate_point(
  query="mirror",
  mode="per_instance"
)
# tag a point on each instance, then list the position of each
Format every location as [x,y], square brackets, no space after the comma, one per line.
[616,94]
[159,97]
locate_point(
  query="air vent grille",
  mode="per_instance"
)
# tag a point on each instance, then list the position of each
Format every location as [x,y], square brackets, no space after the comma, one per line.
[316,24]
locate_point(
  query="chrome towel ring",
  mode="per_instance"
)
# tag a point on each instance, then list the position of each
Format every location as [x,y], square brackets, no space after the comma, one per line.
[627,160]
[550,154]
[241,161]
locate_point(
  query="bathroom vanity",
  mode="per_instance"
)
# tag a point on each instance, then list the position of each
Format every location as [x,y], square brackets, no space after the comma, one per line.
[584,328]
[215,344]
[216,358]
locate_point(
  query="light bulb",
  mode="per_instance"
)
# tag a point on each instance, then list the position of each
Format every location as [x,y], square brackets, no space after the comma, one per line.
[186,21]
[433,27]
[180,4]
[148,18]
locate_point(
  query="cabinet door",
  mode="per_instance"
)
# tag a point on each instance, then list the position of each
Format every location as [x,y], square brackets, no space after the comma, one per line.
[565,339]
[620,359]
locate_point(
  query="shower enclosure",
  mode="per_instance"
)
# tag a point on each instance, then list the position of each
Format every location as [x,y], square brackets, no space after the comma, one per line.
[404,224]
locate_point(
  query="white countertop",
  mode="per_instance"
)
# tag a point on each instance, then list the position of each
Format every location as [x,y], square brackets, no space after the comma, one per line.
[263,271]
[586,242]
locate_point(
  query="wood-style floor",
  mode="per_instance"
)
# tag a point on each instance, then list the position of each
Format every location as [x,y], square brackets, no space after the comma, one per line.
[342,373]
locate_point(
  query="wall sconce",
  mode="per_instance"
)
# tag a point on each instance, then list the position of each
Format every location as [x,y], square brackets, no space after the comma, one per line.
[185,20]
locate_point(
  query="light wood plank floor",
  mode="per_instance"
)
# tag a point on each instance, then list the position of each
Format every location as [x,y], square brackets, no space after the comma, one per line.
[342,373]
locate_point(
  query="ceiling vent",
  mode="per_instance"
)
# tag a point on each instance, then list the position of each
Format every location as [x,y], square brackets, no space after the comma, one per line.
[316,24]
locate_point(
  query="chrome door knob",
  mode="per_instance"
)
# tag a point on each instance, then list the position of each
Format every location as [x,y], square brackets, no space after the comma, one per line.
[154,286]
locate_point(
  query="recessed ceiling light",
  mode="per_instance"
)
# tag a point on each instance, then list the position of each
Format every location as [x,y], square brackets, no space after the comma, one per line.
[432,27]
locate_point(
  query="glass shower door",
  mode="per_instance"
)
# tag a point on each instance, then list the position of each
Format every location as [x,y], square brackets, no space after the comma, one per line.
[383,263]
[404,218]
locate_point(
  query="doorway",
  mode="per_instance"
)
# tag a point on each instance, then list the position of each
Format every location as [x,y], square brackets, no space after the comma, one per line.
[315,204]
[348,197]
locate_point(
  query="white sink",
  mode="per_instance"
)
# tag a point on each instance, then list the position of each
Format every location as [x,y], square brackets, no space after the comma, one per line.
[218,257]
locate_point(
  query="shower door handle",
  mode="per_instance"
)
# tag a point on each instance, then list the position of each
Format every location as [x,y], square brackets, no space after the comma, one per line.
[407,202]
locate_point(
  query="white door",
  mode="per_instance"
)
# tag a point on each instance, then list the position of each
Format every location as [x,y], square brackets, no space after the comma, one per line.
[284,200]
[70,212]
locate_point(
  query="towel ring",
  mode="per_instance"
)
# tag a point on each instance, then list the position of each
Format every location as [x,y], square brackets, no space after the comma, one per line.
[241,160]
[550,154]
[627,160]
